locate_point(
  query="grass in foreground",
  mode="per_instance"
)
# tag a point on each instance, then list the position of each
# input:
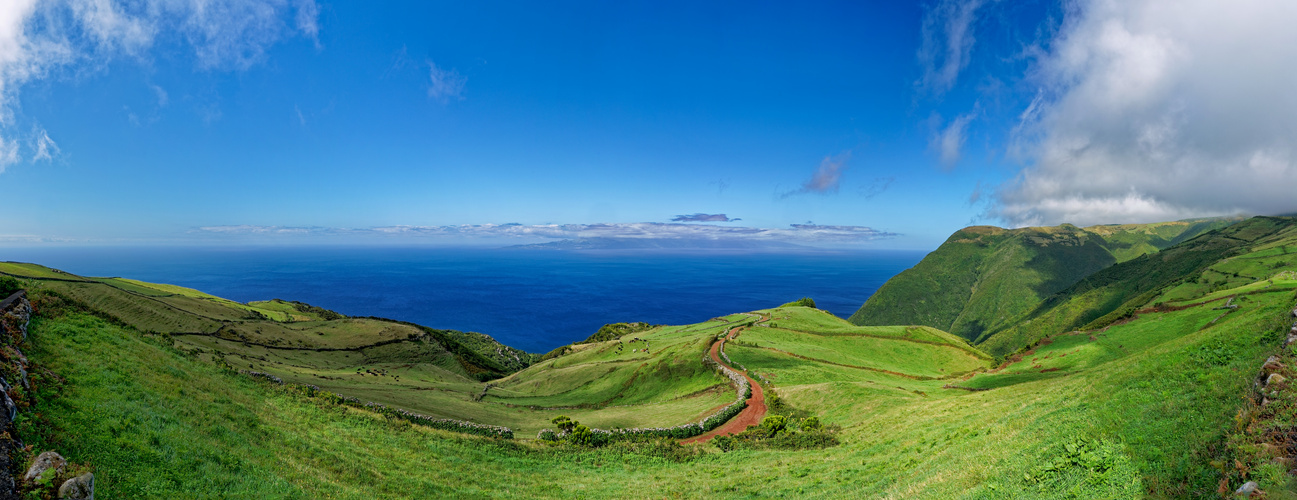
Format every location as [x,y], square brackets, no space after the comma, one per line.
[155,422]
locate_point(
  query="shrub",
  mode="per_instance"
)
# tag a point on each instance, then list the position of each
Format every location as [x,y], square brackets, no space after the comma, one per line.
[802,302]
[8,286]
[580,436]
[774,423]
[725,443]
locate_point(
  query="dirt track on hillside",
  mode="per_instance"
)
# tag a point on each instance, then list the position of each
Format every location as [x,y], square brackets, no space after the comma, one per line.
[751,415]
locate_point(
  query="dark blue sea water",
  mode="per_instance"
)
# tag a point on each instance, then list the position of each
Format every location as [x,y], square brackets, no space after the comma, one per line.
[533,300]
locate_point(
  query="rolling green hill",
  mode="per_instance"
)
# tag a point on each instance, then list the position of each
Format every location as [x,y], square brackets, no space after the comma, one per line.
[1153,394]
[200,319]
[1139,409]
[1189,270]
[983,279]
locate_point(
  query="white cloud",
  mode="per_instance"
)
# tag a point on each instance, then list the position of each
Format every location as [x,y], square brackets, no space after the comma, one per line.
[826,178]
[46,148]
[947,41]
[949,142]
[1160,109]
[804,233]
[112,28]
[37,38]
[161,94]
[445,84]
[308,20]
[8,153]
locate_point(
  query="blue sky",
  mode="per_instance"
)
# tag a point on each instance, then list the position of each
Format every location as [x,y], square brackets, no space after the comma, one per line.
[875,126]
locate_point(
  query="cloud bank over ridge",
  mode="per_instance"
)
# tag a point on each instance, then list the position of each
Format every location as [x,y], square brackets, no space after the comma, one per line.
[1153,110]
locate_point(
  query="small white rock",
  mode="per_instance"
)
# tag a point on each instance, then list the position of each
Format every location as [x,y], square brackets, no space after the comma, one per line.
[45,461]
[78,488]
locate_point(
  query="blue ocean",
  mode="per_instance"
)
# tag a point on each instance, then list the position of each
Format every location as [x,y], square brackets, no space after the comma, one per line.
[533,300]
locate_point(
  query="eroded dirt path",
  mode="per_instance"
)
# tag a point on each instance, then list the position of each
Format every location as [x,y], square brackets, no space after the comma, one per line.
[751,415]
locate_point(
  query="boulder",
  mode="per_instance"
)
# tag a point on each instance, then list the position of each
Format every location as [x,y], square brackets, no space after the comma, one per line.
[78,488]
[1247,489]
[1272,365]
[1273,379]
[44,462]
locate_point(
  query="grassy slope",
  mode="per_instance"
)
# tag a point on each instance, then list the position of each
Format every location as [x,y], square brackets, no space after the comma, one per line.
[1114,292]
[983,279]
[1142,397]
[202,320]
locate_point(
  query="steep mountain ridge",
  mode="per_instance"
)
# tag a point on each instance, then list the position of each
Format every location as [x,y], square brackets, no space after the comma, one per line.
[983,279]
[1116,292]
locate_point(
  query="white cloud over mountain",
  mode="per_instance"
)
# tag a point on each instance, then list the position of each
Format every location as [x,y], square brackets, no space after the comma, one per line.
[1159,109]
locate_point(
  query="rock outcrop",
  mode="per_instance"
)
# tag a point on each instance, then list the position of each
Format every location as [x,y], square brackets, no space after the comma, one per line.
[49,467]
[50,462]
[78,488]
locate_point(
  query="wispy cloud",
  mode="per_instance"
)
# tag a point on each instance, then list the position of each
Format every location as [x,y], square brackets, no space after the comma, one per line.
[444,84]
[39,38]
[308,20]
[8,153]
[161,95]
[948,142]
[796,233]
[827,177]
[721,185]
[947,41]
[877,187]
[46,148]
[700,217]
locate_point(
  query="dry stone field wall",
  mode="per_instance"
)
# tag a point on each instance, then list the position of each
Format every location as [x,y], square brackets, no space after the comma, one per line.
[49,468]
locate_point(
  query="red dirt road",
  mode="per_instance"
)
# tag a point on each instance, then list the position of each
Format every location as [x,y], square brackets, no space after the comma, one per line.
[751,415]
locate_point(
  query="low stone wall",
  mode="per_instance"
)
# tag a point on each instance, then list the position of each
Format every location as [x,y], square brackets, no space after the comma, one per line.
[15,315]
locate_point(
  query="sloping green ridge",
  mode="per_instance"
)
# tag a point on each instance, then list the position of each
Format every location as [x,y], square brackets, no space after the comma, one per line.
[1118,291]
[1137,411]
[983,279]
[174,310]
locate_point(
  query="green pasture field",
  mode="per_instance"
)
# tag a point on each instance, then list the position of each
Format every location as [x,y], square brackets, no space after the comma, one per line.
[894,355]
[156,422]
[1140,408]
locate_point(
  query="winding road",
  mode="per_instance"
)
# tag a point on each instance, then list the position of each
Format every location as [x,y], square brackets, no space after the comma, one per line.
[751,415]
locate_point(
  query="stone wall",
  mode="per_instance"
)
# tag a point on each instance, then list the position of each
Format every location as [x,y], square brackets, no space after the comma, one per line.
[48,469]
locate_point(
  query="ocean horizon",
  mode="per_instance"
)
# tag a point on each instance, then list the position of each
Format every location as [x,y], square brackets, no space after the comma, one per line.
[532,300]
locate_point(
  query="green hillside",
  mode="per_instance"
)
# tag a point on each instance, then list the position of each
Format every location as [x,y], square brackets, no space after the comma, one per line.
[1144,408]
[983,279]
[1152,393]
[199,319]
[1188,270]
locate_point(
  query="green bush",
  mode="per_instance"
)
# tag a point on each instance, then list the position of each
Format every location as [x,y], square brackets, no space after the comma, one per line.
[802,302]
[9,285]
[725,443]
